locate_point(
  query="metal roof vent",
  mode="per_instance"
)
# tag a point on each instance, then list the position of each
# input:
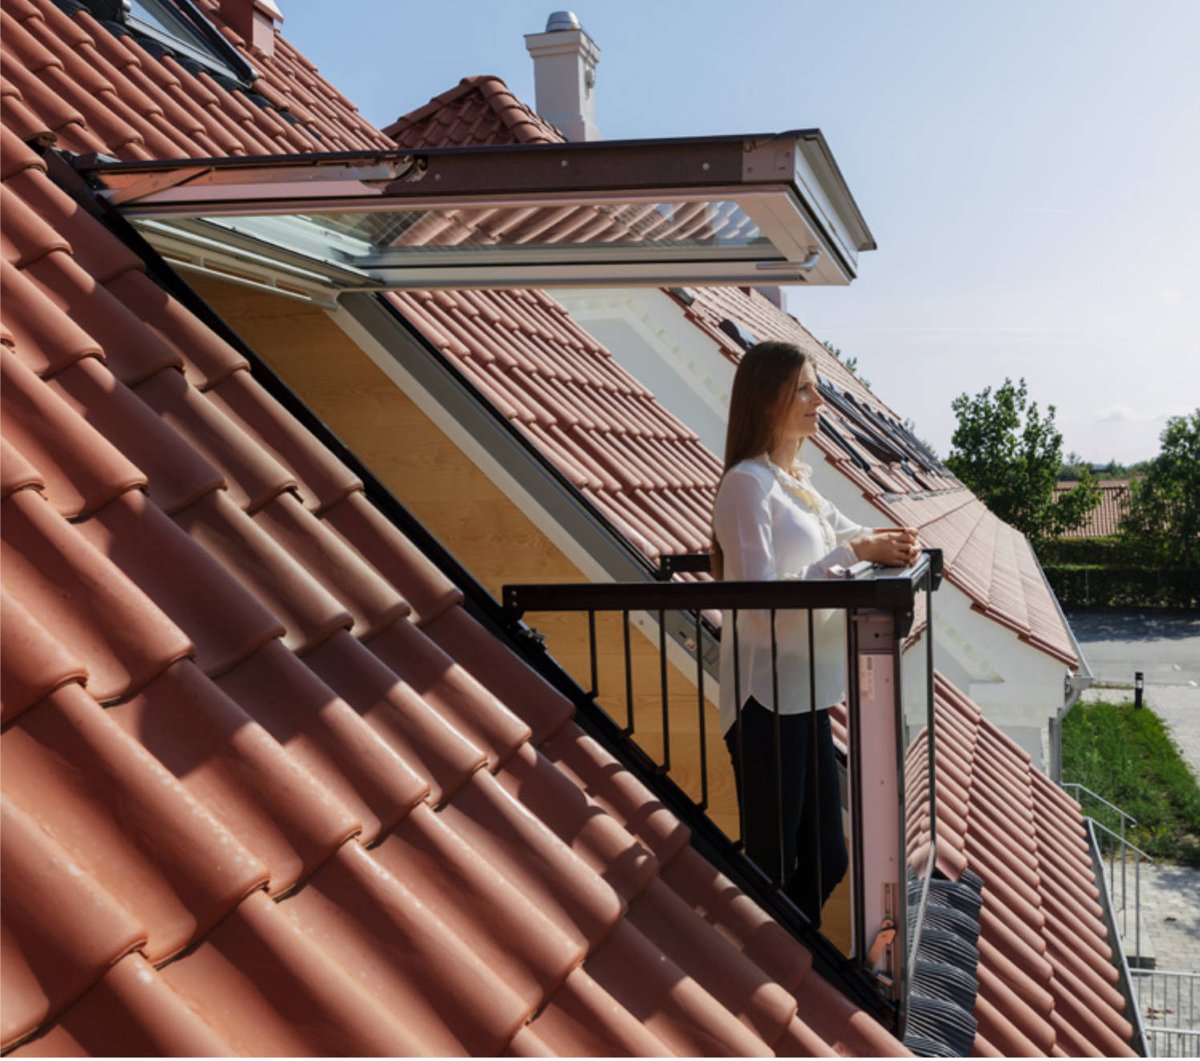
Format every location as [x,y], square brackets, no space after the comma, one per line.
[562,20]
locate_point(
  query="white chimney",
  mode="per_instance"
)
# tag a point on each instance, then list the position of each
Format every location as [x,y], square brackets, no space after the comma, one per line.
[564,75]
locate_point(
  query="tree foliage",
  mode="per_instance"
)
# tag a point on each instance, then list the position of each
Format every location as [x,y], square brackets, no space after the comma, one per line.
[1009,453]
[1164,506]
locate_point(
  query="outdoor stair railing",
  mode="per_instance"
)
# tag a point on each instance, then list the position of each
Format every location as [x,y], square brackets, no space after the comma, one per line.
[1119,847]
[1117,907]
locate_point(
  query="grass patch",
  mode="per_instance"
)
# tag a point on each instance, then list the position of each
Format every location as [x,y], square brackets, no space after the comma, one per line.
[1127,756]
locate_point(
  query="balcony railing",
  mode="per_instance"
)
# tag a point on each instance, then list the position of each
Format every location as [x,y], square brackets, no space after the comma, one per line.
[885,728]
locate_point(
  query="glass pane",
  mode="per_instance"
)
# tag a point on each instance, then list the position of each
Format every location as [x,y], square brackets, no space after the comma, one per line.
[389,239]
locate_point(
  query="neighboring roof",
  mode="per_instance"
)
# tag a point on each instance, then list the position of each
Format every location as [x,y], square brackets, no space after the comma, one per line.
[1105,519]
[1047,980]
[268,787]
[990,561]
[478,110]
[640,467]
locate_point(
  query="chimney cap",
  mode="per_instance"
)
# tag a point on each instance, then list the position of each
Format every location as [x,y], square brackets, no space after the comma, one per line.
[561,21]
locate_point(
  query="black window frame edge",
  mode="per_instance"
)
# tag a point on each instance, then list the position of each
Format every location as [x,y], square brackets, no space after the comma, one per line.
[856,983]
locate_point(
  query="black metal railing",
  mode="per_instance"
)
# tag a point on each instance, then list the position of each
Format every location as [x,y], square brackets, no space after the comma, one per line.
[887,739]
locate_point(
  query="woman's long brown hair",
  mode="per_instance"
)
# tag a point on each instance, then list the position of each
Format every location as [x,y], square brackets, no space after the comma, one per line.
[762,390]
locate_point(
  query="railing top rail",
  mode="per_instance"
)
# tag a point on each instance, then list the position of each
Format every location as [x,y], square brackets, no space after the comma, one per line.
[1170,974]
[883,588]
[1120,839]
[1100,799]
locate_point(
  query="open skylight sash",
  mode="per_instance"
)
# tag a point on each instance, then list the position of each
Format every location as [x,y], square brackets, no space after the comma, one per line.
[723,210]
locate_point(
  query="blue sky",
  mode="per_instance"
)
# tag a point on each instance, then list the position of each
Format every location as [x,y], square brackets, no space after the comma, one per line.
[1030,170]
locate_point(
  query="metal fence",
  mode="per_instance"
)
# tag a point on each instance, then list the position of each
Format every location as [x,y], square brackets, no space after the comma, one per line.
[1169,1003]
[1122,861]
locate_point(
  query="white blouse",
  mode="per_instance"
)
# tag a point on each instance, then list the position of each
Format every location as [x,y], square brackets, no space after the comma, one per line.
[773,525]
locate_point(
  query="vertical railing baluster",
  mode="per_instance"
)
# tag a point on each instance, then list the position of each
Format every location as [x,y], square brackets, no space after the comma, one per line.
[1137,908]
[931,701]
[662,674]
[1124,899]
[814,786]
[783,867]
[629,720]
[700,714]
[592,646]
[741,742]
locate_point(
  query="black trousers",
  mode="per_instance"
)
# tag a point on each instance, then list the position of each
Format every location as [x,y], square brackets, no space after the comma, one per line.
[813,857]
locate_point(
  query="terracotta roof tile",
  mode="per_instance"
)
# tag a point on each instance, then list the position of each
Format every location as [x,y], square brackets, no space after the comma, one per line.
[79,468]
[232,766]
[44,337]
[590,417]
[130,1011]
[1046,973]
[478,110]
[114,808]
[175,472]
[84,236]
[292,603]
[1105,519]
[16,473]
[74,590]
[330,738]
[428,592]
[131,352]
[322,480]
[60,925]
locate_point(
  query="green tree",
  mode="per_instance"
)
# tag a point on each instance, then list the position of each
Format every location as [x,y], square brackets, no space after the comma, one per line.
[1009,453]
[1164,506]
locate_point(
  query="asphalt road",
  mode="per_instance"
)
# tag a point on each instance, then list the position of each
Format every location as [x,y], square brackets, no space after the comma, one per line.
[1164,646]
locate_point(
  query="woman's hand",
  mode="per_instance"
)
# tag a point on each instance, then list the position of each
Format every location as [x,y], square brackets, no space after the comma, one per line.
[889,546]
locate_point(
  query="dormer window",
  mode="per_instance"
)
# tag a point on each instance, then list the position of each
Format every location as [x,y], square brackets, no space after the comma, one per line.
[180,27]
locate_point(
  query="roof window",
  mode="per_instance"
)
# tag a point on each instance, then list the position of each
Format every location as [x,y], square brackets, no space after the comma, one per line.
[179,27]
[717,210]
[739,334]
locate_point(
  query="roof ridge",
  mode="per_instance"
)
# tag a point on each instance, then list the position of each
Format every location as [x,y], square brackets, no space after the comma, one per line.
[448,118]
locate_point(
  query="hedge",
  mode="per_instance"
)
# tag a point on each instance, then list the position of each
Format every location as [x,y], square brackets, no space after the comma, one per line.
[1079,586]
[1093,552]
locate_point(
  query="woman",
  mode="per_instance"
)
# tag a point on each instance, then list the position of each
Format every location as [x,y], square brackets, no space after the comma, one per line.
[770,523]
